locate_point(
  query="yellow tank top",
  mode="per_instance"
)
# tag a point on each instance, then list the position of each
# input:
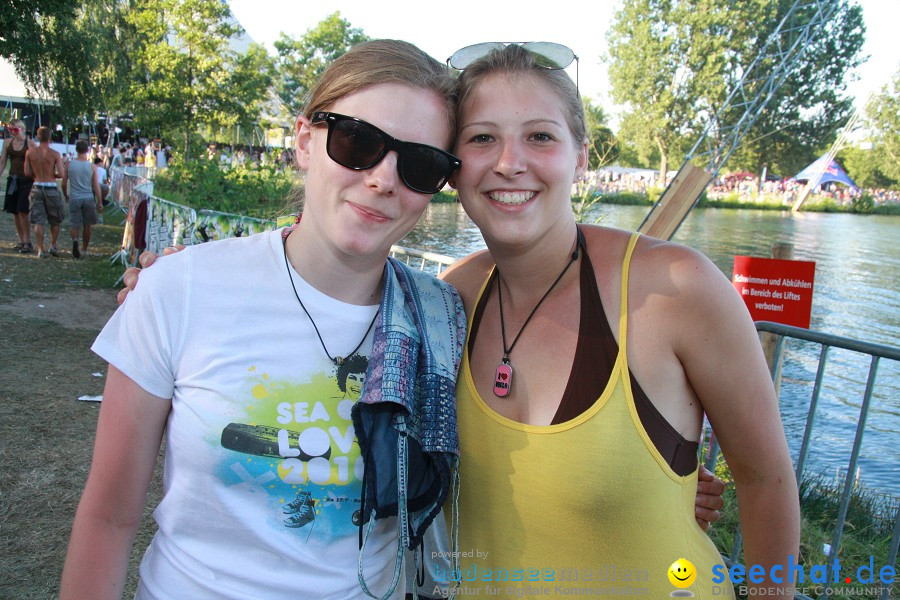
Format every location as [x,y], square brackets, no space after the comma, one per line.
[586,507]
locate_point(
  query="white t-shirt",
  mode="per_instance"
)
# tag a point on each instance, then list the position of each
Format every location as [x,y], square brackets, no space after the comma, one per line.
[262,466]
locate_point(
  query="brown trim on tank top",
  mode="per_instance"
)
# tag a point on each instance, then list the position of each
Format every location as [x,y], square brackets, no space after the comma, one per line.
[592,367]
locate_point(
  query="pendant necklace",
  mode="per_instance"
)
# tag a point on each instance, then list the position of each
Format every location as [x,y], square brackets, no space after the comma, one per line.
[503,375]
[337,360]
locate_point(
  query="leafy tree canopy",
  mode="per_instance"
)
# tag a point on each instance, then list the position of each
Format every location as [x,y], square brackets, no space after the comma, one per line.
[68,51]
[884,116]
[603,147]
[169,63]
[187,74]
[301,61]
[672,64]
[878,166]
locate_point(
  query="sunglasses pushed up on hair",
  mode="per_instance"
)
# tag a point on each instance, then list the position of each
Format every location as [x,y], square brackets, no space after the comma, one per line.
[358,145]
[548,55]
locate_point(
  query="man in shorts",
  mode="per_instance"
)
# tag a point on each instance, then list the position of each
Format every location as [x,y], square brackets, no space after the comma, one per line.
[44,165]
[81,187]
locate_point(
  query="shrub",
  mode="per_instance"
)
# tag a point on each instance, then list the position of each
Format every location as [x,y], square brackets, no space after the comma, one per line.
[867,531]
[824,204]
[259,191]
[447,197]
[863,204]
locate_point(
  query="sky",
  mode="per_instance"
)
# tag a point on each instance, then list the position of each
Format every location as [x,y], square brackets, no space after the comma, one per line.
[465,22]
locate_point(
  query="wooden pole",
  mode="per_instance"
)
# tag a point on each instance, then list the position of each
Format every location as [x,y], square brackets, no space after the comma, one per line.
[769,341]
[675,203]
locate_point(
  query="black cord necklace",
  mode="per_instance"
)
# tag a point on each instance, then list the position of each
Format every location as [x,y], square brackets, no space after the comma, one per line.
[503,375]
[337,360]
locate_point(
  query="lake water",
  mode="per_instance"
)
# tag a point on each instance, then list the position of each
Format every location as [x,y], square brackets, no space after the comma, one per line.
[856,295]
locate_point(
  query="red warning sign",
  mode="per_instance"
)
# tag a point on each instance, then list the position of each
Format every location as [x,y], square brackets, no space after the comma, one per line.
[775,290]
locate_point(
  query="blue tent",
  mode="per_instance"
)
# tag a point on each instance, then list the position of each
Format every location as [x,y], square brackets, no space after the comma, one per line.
[832,172]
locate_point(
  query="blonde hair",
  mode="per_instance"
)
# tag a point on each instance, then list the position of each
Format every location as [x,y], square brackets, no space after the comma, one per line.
[515,60]
[43,134]
[383,61]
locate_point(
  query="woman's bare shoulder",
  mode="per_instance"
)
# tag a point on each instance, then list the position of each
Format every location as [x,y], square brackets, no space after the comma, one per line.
[679,264]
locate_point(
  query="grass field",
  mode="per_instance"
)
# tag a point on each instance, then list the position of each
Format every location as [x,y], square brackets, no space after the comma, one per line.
[50,312]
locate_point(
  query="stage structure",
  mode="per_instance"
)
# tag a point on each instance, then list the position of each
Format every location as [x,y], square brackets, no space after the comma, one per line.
[826,165]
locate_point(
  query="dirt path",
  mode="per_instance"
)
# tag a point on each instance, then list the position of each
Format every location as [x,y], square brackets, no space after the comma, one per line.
[74,309]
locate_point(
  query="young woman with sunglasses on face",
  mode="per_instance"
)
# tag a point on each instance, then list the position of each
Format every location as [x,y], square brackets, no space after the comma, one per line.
[592,356]
[234,350]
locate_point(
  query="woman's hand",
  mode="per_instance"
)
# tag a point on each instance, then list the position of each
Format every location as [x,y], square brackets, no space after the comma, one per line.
[709,498]
[130,279]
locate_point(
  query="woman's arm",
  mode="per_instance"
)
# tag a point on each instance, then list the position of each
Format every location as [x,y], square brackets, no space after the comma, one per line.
[129,432]
[3,154]
[720,351]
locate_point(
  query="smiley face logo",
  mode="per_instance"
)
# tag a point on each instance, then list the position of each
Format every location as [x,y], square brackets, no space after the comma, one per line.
[682,573]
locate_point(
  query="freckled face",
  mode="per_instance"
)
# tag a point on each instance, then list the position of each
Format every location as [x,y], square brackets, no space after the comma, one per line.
[361,213]
[519,158]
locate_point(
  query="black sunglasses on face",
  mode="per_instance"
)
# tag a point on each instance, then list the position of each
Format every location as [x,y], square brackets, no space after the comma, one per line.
[358,145]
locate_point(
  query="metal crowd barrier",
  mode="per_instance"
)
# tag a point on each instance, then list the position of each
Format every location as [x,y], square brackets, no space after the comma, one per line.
[828,341]
[421,259]
[131,185]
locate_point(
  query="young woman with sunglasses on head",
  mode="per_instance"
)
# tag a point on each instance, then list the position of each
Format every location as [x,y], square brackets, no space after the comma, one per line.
[234,350]
[592,356]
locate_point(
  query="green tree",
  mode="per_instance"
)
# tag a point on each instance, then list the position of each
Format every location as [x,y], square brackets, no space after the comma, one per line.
[862,165]
[805,114]
[603,147]
[673,63]
[877,164]
[300,62]
[187,74]
[884,118]
[664,57]
[75,53]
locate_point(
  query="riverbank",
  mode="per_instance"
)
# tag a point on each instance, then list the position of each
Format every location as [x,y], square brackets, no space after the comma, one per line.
[864,205]
[261,191]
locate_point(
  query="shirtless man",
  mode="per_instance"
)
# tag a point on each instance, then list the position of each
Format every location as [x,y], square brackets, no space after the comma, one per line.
[44,165]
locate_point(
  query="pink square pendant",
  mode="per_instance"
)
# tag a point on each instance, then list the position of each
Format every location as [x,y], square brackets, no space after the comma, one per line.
[502,380]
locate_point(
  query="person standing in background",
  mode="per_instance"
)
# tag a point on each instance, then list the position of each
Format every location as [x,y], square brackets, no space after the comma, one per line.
[18,186]
[102,179]
[81,188]
[45,166]
[162,160]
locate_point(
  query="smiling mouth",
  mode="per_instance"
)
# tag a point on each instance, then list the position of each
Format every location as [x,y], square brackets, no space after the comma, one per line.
[679,578]
[511,198]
